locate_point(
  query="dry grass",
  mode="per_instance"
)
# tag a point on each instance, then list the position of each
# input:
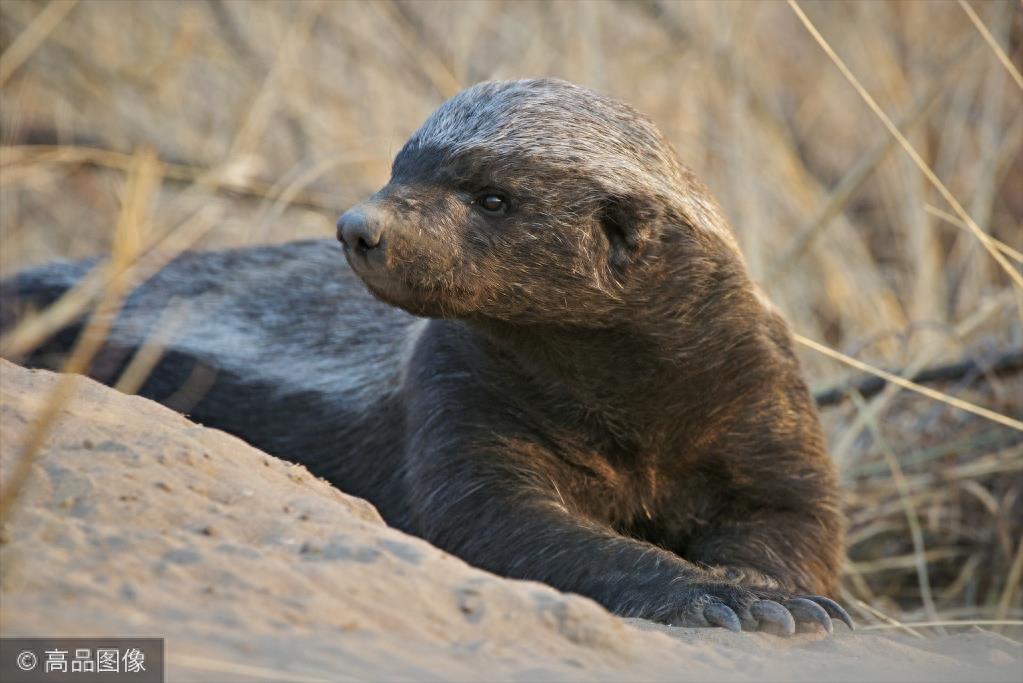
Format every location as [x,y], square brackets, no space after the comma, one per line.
[276,116]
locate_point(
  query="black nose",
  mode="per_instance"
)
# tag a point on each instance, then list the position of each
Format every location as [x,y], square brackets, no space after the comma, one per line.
[359,230]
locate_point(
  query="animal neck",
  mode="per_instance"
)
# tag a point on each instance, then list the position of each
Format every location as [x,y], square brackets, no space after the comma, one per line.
[684,349]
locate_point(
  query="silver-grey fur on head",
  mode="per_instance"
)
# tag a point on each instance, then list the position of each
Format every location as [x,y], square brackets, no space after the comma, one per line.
[566,124]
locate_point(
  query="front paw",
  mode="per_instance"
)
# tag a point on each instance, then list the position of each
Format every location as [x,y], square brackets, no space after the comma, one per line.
[739,608]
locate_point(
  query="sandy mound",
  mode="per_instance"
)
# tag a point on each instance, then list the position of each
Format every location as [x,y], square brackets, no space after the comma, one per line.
[139,522]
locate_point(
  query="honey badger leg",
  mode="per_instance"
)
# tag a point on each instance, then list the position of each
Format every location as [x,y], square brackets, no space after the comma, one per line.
[498,507]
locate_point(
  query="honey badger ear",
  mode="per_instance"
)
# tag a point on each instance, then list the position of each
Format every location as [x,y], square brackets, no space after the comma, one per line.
[627,222]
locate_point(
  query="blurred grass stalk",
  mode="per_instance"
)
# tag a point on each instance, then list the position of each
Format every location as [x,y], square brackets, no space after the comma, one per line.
[129,233]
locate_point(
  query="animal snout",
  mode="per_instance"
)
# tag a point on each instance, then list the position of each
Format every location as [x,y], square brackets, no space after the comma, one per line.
[360,230]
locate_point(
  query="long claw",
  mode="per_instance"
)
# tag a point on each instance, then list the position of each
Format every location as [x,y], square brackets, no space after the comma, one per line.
[833,609]
[770,612]
[719,614]
[807,610]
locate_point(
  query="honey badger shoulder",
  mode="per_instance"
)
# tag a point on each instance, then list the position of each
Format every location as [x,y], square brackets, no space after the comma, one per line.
[599,399]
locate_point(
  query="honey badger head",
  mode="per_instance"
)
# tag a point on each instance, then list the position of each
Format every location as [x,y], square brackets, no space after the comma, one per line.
[527,201]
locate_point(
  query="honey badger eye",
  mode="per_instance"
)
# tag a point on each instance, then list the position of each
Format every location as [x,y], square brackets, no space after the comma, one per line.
[492,203]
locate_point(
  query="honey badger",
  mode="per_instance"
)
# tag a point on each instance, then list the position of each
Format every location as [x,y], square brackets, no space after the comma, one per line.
[564,372]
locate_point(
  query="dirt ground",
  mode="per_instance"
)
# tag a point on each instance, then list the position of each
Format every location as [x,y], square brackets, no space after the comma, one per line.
[136,521]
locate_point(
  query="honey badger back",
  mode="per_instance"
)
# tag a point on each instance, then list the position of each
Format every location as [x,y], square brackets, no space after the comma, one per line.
[279,345]
[601,401]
